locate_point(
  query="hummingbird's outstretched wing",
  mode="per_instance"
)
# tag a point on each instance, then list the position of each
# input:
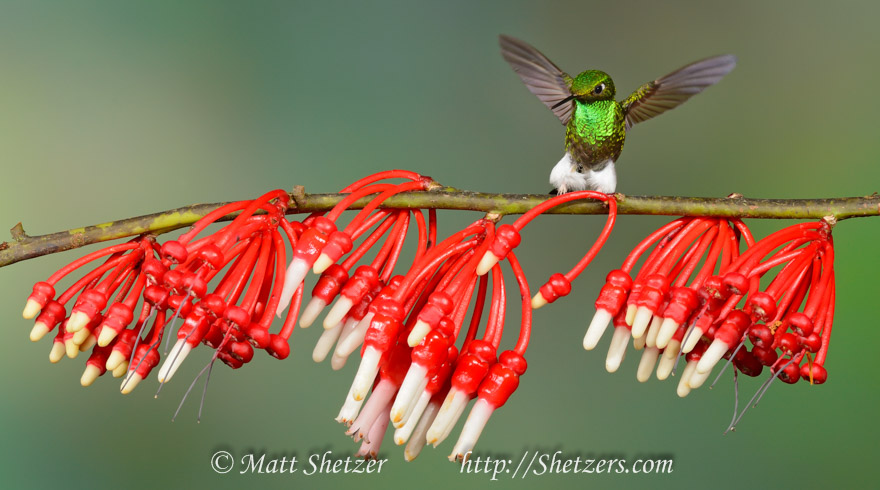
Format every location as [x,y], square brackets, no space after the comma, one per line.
[657,97]
[541,76]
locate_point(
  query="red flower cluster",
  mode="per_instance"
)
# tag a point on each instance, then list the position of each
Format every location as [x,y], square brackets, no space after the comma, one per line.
[421,363]
[696,295]
[173,280]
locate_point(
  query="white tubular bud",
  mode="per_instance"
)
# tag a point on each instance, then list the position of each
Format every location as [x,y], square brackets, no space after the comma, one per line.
[653,330]
[691,339]
[366,373]
[322,263]
[39,331]
[174,360]
[710,358]
[617,349]
[597,327]
[646,364]
[538,300]
[667,362]
[641,321]
[420,329]
[414,383]
[89,375]
[487,263]
[667,330]
[452,408]
[294,276]
[472,429]
[130,382]
[311,312]
[419,436]
[402,434]
[325,343]
[683,386]
[31,309]
[340,308]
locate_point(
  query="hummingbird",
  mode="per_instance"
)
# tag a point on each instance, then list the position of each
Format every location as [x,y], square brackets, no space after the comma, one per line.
[595,123]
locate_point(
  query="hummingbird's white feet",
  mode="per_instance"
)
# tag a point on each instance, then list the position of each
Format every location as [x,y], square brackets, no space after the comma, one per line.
[566,178]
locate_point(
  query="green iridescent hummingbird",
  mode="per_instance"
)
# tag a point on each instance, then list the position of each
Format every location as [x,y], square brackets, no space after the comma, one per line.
[595,123]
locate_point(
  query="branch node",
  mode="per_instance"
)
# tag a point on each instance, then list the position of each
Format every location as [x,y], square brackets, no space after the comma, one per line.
[493,217]
[619,196]
[18,233]
[831,220]
[734,195]
[298,194]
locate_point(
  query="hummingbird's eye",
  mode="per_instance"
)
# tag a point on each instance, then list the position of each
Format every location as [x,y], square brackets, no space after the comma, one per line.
[599,88]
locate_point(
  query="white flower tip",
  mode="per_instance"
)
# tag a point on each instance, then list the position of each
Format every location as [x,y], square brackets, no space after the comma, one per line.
[77,321]
[639,343]
[130,382]
[653,330]
[173,361]
[120,370]
[325,343]
[697,379]
[471,431]
[646,364]
[71,348]
[322,263]
[449,413]
[57,352]
[340,308]
[294,276]
[692,339]
[683,384]
[311,311]
[617,349]
[366,374]
[711,357]
[667,330]
[630,314]
[114,360]
[487,263]
[597,327]
[40,329]
[107,336]
[641,321]
[89,375]
[80,336]
[418,333]
[538,300]
[88,343]
[31,309]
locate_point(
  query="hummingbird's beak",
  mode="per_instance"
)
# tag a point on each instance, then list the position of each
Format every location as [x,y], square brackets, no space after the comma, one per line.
[563,101]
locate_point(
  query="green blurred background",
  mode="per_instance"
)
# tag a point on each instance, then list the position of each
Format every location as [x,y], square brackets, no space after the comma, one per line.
[116,109]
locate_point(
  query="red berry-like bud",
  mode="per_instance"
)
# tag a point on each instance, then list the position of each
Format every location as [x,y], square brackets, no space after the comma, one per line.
[736,283]
[788,343]
[500,382]
[174,252]
[715,288]
[801,324]
[194,285]
[258,335]
[791,374]
[812,343]
[514,361]
[119,315]
[766,355]
[814,373]
[237,316]
[364,279]
[763,307]
[241,351]
[156,296]
[278,347]
[212,255]
[179,302]
[760,335]
[473,366]
[155,270]
[556,287]
[212,305]
[431,351]
[747,363]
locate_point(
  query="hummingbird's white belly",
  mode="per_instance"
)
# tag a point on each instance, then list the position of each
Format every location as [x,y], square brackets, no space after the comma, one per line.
[566,178]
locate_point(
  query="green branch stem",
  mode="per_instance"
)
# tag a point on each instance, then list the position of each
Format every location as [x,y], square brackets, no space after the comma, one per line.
[23,247]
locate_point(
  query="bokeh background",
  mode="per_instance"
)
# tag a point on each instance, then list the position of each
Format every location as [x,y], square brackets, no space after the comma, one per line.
[116,109]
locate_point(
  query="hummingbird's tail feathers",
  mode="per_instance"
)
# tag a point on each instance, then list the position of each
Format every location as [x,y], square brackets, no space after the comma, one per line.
[542,77]
[670,91]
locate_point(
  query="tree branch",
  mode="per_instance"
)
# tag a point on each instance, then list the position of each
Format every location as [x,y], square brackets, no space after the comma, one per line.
[734,206]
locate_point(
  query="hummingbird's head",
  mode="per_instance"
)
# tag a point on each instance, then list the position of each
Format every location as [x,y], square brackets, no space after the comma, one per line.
[593,85]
